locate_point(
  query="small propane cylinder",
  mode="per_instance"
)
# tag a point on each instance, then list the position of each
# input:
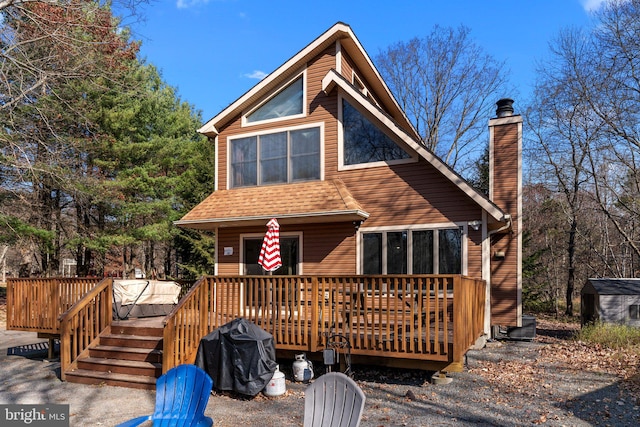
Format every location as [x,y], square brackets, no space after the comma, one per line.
[302,368]
[276,386]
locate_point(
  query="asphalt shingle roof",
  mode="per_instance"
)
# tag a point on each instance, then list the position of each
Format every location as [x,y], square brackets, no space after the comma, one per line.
[616,286]
[313,199]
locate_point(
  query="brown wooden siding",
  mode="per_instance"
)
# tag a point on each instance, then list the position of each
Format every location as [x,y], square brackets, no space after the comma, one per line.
[330,249]
[504,271]
[406,194]
[474,253]
[413,193]
[318,110]
[505,168]
[327,248]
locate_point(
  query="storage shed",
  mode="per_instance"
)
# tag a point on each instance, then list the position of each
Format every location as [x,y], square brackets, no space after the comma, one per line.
[611,301]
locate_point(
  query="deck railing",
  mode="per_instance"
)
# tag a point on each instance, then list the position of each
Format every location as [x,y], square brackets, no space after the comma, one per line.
[35,304]
[82,323]
[418,317]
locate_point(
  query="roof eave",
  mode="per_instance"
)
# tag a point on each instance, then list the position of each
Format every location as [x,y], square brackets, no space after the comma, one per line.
[339,31]
[283,219]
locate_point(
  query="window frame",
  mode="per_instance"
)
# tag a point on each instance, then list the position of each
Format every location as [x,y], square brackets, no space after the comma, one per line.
[303,75]
[230,139]
[260,236]
[462,226]
[413,156]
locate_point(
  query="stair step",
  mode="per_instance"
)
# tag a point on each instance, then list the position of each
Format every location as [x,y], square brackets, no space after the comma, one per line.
[126,353]
[83,376]
[137,341]
[149,331]
[118,366]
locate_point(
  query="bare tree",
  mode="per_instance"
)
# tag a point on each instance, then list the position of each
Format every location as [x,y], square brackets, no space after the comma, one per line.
[447,86]
[584,139]
[562,134]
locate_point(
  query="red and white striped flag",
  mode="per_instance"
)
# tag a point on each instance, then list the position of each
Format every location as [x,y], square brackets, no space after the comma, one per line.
[269,257]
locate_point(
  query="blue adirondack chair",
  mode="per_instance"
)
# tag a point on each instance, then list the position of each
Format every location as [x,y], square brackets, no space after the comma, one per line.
[181,398]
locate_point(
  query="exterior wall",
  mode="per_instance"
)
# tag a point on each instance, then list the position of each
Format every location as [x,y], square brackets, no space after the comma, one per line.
[326,248]
[318,110]
[615,308]
[394,195]
[612,308]
[505,184]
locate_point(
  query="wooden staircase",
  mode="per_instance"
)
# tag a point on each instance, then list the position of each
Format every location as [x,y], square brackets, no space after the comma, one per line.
[129,354]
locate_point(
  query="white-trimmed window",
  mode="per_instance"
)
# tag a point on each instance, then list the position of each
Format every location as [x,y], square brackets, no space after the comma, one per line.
[288,103]
[363,143]
[634,312]
[285,156]
[419,251]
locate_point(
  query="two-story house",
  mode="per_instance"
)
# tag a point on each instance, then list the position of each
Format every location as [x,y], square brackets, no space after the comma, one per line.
[321,145]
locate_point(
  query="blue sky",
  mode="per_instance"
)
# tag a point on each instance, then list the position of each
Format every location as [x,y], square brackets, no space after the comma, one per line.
[213,51]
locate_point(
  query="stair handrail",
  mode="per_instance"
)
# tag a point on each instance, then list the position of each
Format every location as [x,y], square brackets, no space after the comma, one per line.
[188,334]
[82,324]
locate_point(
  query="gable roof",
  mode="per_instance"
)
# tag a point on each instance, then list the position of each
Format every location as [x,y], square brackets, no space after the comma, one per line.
[391,116]
[348,42]
[616,286]
[313,201]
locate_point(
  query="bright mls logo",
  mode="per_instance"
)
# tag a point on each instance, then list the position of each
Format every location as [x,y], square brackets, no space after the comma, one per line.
[34,415]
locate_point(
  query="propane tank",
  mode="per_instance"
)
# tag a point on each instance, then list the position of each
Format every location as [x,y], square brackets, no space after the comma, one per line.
[276,385]
[302,368]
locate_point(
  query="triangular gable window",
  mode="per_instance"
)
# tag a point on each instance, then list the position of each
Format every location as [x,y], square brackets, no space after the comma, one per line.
[288,102]
[363,142]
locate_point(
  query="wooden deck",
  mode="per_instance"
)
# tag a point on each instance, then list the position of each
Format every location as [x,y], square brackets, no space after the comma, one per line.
[406,320]
[424,321]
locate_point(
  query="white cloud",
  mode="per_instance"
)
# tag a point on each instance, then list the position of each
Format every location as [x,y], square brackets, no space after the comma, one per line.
[592,5]
[256,74]
[185,4]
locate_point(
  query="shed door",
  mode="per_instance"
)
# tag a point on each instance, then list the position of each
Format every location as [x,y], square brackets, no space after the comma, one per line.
[588,308]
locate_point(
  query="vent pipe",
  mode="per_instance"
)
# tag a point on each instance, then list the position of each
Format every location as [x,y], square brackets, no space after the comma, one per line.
[505,107]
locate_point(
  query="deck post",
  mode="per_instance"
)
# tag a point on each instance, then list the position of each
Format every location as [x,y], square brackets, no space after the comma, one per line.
[315,320]
[459,320]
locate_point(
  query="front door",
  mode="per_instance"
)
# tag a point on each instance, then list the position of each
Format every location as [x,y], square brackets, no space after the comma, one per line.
[288,251]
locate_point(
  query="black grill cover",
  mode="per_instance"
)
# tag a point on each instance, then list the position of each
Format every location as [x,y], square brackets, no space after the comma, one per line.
[239,357]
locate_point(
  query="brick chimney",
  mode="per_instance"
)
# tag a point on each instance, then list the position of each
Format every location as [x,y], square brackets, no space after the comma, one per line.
[505,190]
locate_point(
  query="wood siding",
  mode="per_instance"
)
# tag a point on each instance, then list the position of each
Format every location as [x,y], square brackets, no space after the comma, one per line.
[326,248]
[407,194]
[505,194]
[318,110]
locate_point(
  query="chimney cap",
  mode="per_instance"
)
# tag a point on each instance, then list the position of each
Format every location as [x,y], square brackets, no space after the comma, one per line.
[505,107]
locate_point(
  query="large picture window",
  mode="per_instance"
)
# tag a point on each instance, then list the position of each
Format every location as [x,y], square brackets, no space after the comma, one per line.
[412,252]
[279,157]
[363,142]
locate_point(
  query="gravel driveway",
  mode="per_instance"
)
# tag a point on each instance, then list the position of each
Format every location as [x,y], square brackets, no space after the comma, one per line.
[505,384]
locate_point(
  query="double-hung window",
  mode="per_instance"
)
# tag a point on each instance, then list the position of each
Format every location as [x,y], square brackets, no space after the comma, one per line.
[412,251]
[286,156]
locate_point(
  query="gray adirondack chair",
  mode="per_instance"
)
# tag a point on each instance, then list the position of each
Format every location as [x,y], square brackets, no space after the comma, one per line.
[333,400]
